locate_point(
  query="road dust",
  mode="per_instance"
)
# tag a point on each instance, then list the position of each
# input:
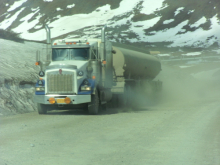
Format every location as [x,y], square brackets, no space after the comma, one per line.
[181,86]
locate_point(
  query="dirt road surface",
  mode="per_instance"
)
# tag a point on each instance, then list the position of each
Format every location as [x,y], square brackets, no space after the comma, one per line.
[179,127]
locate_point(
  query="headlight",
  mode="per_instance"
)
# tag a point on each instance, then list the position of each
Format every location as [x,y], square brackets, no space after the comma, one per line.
[85,88]
[80,73]
[40,89]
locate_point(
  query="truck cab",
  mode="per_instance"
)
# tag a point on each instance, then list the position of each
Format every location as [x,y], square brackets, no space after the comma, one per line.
[74,74]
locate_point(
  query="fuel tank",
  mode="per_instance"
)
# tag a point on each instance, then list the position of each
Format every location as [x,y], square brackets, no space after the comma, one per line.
[135,65]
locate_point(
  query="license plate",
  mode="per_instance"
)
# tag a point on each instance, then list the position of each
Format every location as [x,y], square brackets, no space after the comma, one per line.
[60,101]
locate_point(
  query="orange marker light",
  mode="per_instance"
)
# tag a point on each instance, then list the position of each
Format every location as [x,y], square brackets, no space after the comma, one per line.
[41,78]
[67,100]
[93,77]
[36,63]
[52,100]
[55,43]
[74,43]
[87,43]
[67,43]
[71,43]
[104,62]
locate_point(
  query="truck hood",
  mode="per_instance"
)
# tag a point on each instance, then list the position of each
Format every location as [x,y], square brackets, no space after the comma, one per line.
[80,64]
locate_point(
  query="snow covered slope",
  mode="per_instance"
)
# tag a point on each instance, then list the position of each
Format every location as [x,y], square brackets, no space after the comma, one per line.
[174,23]
[18,75]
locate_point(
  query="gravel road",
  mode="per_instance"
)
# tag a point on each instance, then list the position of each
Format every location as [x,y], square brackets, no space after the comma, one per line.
[181,127]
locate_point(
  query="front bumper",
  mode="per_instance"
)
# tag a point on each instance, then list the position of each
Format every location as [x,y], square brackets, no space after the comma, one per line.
[75,99]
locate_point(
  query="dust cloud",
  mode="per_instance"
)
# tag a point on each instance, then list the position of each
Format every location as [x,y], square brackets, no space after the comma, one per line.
[181,86]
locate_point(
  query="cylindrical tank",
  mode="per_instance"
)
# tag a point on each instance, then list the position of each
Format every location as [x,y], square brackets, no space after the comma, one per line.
[135,65]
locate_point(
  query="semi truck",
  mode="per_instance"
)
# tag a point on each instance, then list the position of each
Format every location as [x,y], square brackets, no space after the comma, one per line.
[90,73]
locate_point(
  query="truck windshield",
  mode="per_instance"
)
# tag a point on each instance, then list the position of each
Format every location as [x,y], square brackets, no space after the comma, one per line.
[63,54]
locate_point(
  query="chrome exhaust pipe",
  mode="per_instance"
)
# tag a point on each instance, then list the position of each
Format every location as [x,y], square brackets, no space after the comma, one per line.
[48,34]
[103,34]
[103,43]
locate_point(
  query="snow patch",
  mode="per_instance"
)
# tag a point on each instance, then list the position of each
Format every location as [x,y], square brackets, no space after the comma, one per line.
[48,0]
[199,22]
[169,35]
[7,15]
[38,27]
[190,11]
[83,20]
[7,22]
[32,9]
[146,24]
[29,16]
[16,5]
[150,6]
[178,10]
[192,54]
[59,9]
[70,6]
[25,26]
[168,21]
[164,55]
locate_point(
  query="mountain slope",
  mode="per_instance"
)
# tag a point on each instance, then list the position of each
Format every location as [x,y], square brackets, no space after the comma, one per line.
[190,23]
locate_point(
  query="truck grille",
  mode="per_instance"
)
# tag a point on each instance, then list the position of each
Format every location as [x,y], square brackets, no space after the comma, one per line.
[60,83]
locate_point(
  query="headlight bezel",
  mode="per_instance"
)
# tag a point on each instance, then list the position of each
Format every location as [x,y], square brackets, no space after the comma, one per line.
[86,82]
[80,73]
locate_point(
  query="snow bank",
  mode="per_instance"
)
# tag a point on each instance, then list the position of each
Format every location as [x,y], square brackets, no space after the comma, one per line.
[18,74]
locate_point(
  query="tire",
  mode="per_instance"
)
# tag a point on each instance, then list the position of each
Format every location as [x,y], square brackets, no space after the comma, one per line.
[42,108]
[93,106]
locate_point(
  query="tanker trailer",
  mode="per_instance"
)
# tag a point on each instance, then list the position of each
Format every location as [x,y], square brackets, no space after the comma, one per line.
[82,72]
[133,72]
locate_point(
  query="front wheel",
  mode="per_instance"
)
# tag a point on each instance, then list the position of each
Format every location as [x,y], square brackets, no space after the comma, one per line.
[42,108]
[93,106]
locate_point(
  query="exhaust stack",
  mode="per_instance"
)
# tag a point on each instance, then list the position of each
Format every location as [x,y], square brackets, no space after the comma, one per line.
[103,43]
[48,34]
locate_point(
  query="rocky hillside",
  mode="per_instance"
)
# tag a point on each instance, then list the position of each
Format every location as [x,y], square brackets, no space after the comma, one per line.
[169,23]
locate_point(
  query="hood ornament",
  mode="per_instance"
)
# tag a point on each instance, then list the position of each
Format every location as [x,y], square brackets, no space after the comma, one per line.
[60,71]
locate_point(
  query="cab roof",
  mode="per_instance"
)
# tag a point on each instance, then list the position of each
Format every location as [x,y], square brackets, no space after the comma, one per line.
[75,43]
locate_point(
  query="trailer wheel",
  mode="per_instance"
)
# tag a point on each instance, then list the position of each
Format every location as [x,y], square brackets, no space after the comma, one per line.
[42,108]
[93,106]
